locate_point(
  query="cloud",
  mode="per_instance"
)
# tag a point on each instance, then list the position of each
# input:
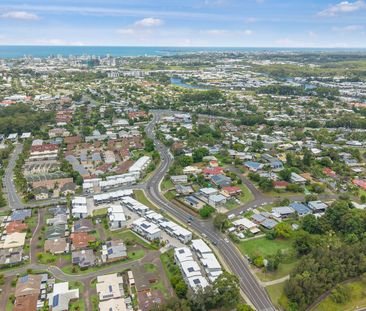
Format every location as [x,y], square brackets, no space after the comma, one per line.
[19,15]
[349,28]
[312,34]
[247,32]
[59,42]
[149,22]
[250,20]
[126,31]
[103,11]
[141,27]
[343,7]
[214,32]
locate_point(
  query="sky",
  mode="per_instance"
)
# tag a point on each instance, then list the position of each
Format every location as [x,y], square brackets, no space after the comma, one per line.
[226,23]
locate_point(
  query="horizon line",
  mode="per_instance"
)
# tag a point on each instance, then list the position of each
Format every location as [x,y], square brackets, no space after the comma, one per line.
[183,46]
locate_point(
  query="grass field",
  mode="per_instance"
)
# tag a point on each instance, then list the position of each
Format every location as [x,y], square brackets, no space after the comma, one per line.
[150,267]
[246,195]
[277,295]
[132,256]
[128,235]
[160,287]
[284,268]
[100,212]
[166,184]
[140,196]
[358,299]
[264,247]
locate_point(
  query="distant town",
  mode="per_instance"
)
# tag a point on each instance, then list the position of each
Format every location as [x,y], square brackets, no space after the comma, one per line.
[200,181]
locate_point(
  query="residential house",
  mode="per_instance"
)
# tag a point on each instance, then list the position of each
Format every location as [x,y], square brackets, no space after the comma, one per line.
[300,209]
[15,226]
[83,225]
[55,232]
[230,191]
[11,256]
[117,218]
[283,212]
[253,166]
[109,286]
[317,206]
[16,239]
[81,240]
[79,207]
[61,296]
[179,179]
[221,180]
[216,200]
[147,229]
[83,258]
[297,179]
[114,250]
[56,246]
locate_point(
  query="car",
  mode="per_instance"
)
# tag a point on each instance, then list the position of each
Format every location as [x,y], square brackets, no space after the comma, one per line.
[214,243]
[226,240]
[204,235]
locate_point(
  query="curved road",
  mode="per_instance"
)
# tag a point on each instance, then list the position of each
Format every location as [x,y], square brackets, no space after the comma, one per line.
[235,261]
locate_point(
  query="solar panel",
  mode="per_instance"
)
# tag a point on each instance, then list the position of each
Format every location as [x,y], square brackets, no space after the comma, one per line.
[55,301]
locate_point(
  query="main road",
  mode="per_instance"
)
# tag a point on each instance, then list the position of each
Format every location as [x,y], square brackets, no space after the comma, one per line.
[14,200]
[234,260]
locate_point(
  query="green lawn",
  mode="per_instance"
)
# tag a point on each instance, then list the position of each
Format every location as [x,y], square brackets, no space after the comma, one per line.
[130,236]
[150,267]
[264,247]
[46,258]
[132,256]
[160,287]
[284,268]
[170,195]
[77,305]
[100,212]
[95,302]
[246,195]
[231,204]
[276,293]
[140,196]
[358,299]
[166,184]
[167,262]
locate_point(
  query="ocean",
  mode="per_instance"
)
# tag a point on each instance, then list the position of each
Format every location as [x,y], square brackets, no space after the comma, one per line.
[46,51]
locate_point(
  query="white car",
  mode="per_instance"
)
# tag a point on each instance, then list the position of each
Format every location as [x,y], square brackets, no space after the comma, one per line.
[226,240]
